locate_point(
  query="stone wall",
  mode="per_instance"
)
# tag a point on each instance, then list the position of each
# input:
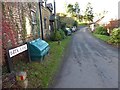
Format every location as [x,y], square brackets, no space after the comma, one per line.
[45,18]
[21,23]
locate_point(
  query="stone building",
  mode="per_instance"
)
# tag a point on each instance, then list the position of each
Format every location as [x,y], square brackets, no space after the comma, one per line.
[46,13]
[21,23]
[112,24]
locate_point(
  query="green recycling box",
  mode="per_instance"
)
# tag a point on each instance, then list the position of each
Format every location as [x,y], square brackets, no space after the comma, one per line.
[38,49]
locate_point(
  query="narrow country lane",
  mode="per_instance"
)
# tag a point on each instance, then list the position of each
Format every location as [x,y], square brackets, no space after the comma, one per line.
[88,63]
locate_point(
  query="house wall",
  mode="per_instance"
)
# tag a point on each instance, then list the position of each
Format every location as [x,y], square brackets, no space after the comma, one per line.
[113,24]
[92,26]
[45,18]
[21,23]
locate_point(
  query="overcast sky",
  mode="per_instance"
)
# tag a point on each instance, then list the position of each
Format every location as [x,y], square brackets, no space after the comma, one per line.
[98,6]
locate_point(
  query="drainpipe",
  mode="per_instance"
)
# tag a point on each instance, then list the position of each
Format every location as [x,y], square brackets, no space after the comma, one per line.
[40,2]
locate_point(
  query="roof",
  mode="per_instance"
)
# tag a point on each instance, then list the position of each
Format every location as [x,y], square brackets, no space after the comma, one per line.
[49,6]
[97,20]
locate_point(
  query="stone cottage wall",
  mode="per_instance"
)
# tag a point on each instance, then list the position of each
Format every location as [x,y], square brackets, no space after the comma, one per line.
[21,23]
[16,23]
[45,18]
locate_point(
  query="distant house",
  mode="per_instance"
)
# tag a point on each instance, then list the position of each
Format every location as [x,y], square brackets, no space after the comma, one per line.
[94,24]
[112,24]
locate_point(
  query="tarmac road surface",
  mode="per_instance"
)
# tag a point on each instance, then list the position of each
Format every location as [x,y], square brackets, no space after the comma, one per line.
[88,63]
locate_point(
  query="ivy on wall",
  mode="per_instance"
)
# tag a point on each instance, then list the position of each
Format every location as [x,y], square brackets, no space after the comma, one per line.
[15,15]
[3,8]
[38,22]
[14,19]
[23,24]
[9,35]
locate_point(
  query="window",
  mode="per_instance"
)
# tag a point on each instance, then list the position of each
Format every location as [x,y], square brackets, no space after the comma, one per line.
[45,27]
[33,15]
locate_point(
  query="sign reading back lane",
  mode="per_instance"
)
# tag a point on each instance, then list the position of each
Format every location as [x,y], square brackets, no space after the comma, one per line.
[17,50]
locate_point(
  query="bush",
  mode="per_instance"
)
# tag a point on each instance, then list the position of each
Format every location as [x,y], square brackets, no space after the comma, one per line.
[65,31]
[63,25]
[75,23]
[115,36]
[58,35]
[52,36]
[101,30]
[62,33]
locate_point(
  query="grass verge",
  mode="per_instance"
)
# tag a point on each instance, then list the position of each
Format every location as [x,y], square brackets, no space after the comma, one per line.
[102,37]
[40,74]
[106,39]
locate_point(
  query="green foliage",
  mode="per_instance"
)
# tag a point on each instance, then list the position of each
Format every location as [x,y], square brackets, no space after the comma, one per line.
[63,25]
[75,23]
[101,30]
[74,10]
[66,22]
[24,32]
[102,37]
[3,8]
[24,28]
[29,5]
[89,13]
[70,9]
[11,13]
[81,17]
[41,74]
[62,33]
[58,35]
[38,24]
[115,37]
[77,8]
[52,36]
[83,24]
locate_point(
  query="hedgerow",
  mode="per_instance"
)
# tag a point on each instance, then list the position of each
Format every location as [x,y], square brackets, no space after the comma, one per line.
[115,36]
